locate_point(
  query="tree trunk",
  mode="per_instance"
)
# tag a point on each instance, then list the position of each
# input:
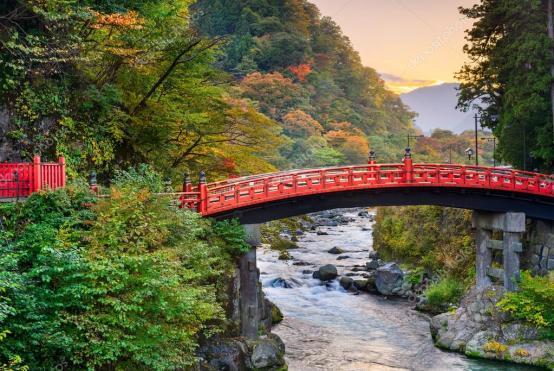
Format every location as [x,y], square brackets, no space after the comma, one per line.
[551,35]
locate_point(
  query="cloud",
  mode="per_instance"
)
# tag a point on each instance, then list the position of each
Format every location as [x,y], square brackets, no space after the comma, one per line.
[401,85]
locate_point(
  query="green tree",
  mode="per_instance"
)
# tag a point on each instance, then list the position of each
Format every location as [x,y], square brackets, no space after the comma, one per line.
[509,78]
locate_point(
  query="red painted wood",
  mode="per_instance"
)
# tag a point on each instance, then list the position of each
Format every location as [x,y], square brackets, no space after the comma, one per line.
[23,179]
[213,198]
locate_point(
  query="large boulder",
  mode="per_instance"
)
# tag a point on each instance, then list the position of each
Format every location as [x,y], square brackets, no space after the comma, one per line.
[479,329]
[267,352]
[225,354]
[388,278]
[326,273]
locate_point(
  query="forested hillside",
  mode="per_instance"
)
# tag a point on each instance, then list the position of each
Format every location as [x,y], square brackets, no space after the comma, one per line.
[231,86]
[300,70]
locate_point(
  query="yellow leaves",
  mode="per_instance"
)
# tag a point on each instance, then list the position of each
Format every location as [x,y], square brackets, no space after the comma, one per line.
[494,347]
[520,352]
[129,20]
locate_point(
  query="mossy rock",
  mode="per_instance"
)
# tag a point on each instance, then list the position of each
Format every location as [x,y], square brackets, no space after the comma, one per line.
[283,244]
[276,315]
[284,255]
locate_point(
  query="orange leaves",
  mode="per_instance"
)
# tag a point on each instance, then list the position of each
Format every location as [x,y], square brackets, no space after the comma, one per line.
[129,20]
[300,124]
[348,140]
[301,71]
[275,93]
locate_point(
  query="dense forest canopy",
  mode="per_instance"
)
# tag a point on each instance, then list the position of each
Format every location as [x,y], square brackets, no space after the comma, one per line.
[509,78]
[222,85]
[289,40]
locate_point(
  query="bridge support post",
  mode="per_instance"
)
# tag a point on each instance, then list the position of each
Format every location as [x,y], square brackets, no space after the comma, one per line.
[512,226]
[483,256]
[250,316]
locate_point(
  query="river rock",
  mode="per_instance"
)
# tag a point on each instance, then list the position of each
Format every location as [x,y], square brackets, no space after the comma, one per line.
[373,254]
[342,257]
[388,278]
[346,282]
[283,283]
[363,214]
[326,273]
[336,251]
[360,284]
[322,233]
[227,354]
[267,352]
[373,264]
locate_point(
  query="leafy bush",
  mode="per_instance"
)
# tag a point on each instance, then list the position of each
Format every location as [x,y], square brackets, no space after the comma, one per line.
[128,282]
[533,302]
[435,238]
[446,291]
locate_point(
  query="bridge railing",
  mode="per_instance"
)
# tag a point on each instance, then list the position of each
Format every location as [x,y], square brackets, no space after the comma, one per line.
[222,196]
[22,179]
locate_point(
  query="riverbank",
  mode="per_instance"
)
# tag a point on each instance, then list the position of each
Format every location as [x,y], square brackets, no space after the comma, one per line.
[327,328]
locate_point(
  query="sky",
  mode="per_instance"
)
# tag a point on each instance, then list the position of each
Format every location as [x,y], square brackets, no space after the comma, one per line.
[412,43]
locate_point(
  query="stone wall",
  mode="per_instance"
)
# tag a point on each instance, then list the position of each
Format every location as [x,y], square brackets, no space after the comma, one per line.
[539,247]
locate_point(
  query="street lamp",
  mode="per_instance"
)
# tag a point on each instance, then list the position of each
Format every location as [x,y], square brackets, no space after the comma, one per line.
[469,152]
[414,137]
[493,140]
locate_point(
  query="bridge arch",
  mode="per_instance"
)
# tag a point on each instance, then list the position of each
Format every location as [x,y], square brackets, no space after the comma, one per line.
[262,198]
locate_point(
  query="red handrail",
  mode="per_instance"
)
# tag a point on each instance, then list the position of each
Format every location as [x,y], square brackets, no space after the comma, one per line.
[214,198]
[22,179]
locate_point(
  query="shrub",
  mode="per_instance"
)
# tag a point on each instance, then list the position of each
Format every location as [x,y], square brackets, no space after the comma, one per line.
[446,291]
[533,302]
[435,238]
[130,282]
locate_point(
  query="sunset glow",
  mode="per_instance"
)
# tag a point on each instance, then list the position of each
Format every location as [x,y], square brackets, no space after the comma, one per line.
[412,44]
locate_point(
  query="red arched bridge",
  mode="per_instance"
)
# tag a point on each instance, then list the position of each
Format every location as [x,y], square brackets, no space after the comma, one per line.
[261,198]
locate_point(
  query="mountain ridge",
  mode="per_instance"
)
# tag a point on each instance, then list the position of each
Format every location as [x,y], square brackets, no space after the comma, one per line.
[436,108]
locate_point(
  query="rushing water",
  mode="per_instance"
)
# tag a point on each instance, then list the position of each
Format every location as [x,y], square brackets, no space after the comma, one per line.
[326,328]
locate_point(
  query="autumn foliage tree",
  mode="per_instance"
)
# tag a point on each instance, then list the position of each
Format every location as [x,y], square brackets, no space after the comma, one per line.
[298,123]
[349,141]
[301,71]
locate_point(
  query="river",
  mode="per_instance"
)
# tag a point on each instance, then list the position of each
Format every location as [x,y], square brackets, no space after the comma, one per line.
[326,328]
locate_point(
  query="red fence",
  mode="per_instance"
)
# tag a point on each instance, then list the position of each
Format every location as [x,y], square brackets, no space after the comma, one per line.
[215,198]
[22,179]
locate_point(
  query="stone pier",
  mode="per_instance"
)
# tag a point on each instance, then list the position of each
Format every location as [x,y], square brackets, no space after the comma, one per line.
[541,243]
[249,306]
[512,227]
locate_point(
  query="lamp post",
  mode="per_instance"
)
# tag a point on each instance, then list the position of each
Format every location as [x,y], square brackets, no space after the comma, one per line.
[477,119]
[414,137]
[469,152]
[493,140]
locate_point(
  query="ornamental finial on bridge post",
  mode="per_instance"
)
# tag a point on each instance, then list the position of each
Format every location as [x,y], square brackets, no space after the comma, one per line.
[408,166]
[92,182]
[203,193]
[187,184]
[372,157]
